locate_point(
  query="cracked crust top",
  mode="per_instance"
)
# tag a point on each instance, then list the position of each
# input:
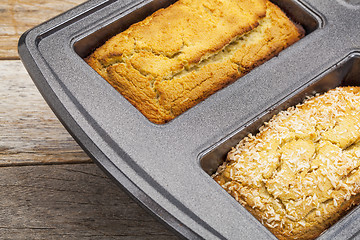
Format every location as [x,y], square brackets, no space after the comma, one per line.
[300,173]
[180,55]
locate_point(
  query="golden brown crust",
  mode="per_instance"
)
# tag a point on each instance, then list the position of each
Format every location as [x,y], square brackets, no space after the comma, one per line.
[300,173]
[180,55]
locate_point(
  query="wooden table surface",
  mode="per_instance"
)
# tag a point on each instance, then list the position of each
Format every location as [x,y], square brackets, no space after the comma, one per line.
[49,188]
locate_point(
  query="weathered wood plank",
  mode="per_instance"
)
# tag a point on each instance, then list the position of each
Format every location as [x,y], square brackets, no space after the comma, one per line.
[29,131]
[17,16]
[75,201]
[66,201]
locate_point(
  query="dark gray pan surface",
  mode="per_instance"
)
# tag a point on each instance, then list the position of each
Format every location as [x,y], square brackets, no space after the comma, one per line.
[166,167]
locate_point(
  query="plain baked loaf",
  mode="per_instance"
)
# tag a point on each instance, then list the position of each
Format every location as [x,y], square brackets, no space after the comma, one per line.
[300,173]
[182,54]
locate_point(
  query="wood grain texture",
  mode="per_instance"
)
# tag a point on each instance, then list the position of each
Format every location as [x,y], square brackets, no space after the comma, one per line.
[74,201]
[42,195]
[30,133]
[17,16]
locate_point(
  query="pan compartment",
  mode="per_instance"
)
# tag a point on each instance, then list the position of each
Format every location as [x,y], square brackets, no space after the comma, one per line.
[344,73]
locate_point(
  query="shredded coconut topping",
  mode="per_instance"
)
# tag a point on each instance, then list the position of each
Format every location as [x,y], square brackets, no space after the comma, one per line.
[303,162]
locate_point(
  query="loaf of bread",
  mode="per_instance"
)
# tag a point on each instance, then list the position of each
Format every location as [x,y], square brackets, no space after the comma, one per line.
[300,173]
[182,54]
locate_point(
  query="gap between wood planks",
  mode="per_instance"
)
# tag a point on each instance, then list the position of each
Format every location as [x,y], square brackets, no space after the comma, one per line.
[30,133]
[70,202]
[72,198]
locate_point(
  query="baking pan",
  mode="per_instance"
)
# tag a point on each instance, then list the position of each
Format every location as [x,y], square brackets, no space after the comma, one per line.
[167,168]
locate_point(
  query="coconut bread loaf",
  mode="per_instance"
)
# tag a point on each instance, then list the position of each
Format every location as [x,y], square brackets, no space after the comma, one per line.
[182,54]
[300,173]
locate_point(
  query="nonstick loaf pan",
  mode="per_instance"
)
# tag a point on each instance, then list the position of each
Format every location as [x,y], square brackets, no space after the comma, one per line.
[167,168]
